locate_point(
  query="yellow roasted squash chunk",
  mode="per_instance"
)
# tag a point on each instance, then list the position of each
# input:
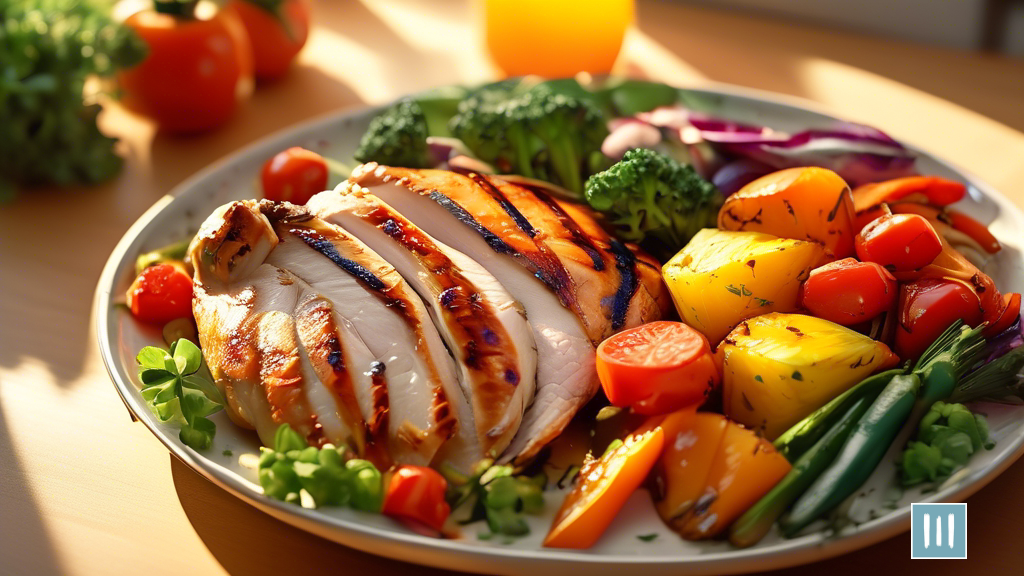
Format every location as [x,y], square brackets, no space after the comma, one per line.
[721,278]
[778,368]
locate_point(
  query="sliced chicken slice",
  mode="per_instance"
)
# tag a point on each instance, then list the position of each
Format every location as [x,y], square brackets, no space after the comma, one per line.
[482,324]
[290,314]
[566,376]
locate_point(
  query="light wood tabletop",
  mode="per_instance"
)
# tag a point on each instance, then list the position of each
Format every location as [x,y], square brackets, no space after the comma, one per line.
[83,490]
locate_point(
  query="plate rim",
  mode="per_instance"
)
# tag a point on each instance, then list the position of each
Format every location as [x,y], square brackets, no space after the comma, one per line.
[451,553]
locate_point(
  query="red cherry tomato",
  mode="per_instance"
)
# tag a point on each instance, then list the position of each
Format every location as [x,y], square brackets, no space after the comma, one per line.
[160,294]
[848,292]
[277,32]
[899,242]
[196,71]
[417,493]
[294,175]
[928,307]
[657,368]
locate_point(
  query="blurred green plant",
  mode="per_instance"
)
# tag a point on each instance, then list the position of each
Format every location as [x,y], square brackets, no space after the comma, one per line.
[48,132]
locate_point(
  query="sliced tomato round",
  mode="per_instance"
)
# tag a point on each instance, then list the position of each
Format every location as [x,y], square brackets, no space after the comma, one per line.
[848,292]
[899,242]
[657,368]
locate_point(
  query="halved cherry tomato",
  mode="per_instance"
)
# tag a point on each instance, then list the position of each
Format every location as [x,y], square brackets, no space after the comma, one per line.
[294,175]
[848,292]
[657,367]
[924,189]
[602,488]
[161,293]
[928,307]
[196,71]
[417,493]
[277,32]
[899,242]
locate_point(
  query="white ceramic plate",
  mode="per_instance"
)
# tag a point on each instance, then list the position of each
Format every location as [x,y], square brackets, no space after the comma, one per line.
[178,216]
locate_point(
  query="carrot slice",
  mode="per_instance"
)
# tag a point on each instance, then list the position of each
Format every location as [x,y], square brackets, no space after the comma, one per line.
[603,486]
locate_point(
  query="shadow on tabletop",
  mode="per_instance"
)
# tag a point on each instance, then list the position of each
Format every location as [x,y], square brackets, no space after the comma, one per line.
[25,542]
[246,541]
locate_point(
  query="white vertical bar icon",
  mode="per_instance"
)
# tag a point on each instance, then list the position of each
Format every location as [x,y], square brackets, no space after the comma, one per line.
[950,535]
[938,530]
[927,526]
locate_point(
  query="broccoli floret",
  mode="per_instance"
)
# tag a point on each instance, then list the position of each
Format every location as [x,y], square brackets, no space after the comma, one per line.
[398,137]
[538,133]
[654,200]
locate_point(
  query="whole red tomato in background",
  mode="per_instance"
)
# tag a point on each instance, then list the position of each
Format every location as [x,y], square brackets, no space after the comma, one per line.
[197,69]
[277,32]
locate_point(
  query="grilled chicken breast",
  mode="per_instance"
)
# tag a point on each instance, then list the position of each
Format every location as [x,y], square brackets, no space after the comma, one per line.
[302,324]
[482,324]
[576,283]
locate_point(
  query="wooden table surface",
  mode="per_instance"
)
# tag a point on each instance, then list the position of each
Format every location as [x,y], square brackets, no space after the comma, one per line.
[83,490]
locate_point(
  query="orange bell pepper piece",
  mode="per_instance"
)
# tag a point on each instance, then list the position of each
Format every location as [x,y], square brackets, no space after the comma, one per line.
[602,488]
[746,468]
[691,442]
[923,189]
[800,203]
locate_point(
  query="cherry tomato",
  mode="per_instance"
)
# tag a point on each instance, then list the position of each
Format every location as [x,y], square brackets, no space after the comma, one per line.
[196,71]
[848,292]
[277,32]
[294,175]
[161,293]
[417,493]
[899,242]
[657,368]
[928,307]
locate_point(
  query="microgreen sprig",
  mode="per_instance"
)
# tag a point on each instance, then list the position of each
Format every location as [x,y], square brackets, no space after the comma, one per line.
[177,392]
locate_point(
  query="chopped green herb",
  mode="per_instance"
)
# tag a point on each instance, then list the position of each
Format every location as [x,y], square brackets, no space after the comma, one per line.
[758,378]
[647,537]
[493,494]
[227,453]
[292,467]
[798,376]
[733,290]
